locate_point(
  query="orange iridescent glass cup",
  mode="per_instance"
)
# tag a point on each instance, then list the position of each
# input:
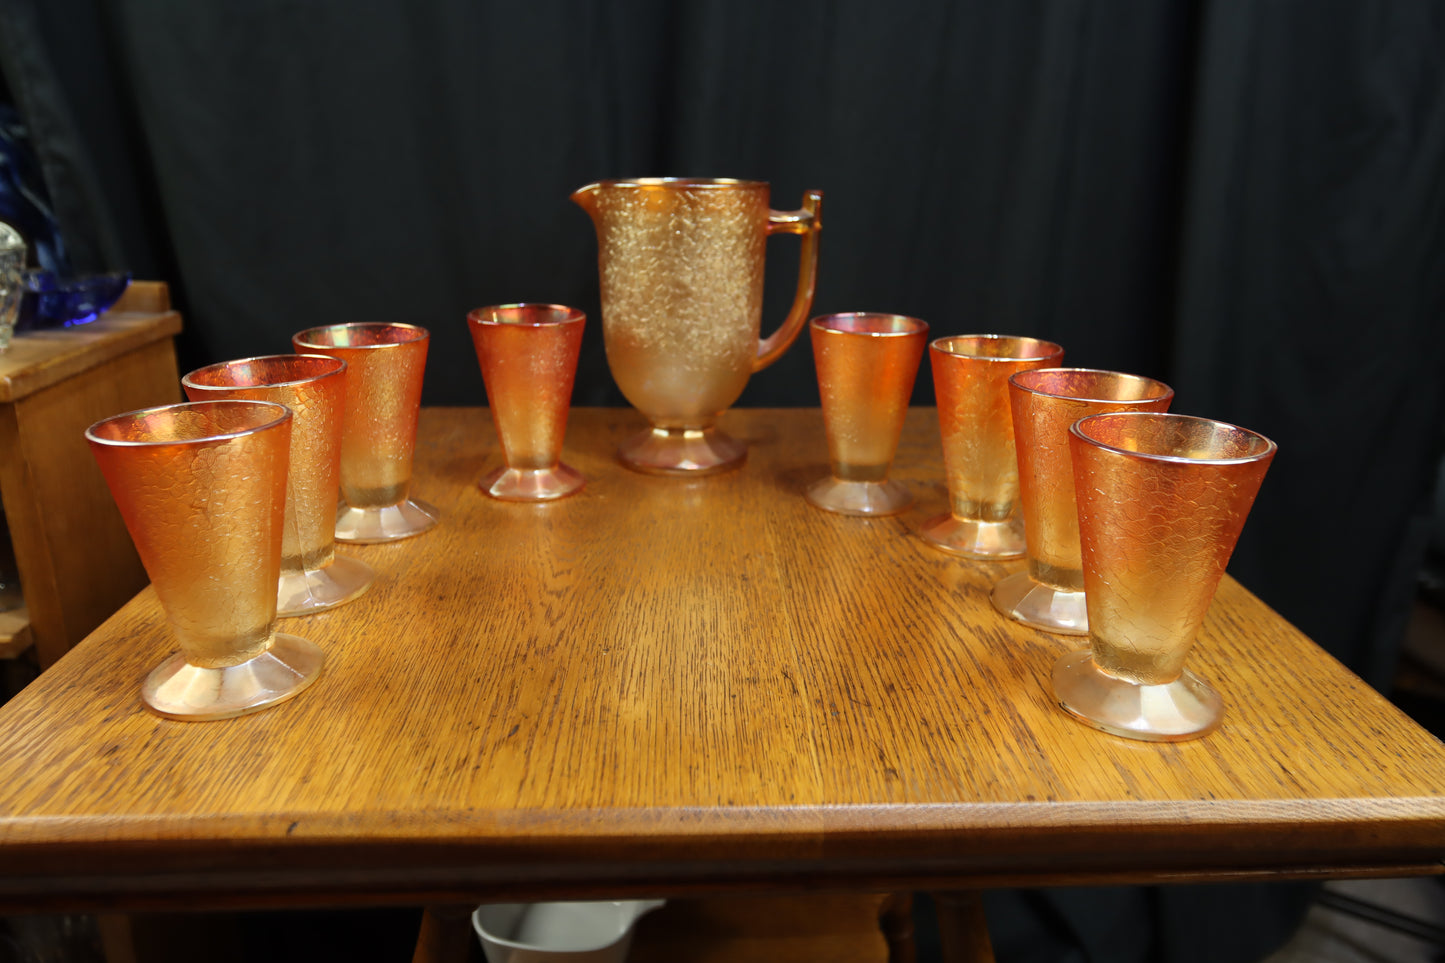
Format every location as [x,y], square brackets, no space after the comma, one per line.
[313,576]
[385,365]
[866,365]
[1049,594]
[1162,500]
[528,355]
[970,383]
[681,262]
[202,489]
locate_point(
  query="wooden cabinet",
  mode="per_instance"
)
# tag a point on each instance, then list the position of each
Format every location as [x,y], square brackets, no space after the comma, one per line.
[76,562]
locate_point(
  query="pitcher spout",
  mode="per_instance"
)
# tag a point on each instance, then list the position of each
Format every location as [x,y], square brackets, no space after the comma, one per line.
[586,198]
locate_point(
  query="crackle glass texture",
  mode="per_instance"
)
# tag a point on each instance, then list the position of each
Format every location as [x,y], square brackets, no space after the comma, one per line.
[314,388]
[528,356]
[1044,403]
[1162,500]
[202,489]
[866,366]
[970,382]
[386,364]
[681,267]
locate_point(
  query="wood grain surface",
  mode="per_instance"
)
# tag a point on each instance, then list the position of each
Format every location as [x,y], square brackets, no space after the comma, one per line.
[667,686]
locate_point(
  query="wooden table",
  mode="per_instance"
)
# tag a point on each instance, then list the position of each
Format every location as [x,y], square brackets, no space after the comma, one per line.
[673,686]
[77,564]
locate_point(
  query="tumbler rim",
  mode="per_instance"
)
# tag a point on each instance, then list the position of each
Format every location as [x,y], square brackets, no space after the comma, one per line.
[1047,349]
[916,326]
[281,415]
[1018,381]
[1079,429]
[568,315]
[300,337]
[187,380]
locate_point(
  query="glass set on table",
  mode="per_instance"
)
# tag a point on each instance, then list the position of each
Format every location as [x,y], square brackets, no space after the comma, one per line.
[386,364]
[232,501]
[237,498]
[1162,499]
[313,576]
[202,489]
[1127,515]
[1043,403]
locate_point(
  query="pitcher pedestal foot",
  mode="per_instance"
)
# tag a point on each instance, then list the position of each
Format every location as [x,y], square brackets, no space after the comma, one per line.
[682,451]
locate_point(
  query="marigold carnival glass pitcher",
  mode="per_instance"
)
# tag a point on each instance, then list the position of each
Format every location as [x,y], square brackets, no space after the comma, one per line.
[681,264]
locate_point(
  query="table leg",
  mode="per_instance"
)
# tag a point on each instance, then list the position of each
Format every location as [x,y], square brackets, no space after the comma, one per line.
[895,919]
[446,936]
[116,939]
[962,929]
[168,937]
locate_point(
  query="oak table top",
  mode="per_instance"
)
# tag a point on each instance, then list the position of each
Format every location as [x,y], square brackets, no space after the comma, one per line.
[662,686]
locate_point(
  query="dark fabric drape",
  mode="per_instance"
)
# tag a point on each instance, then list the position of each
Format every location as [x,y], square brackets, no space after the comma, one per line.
[1243,199]
[985,169]
[1311,298]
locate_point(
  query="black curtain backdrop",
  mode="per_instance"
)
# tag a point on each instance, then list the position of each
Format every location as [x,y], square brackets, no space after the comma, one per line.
[1245,199]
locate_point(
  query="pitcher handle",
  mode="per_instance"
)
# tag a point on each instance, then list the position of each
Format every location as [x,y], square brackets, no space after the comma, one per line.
[808,222]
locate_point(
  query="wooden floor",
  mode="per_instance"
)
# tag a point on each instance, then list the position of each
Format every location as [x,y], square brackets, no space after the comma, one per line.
[1330,935]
